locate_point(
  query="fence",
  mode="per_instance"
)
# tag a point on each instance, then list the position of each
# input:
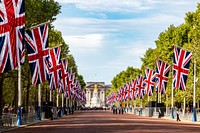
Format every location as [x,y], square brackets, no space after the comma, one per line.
[10,120]
[165,113]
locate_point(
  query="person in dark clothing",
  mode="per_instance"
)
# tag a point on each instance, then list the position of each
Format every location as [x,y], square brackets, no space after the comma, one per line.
[51,113]
[114,109]
[177,115]
[159,113]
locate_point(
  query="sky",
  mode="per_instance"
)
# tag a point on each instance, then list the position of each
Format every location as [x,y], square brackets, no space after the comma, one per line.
[107,36]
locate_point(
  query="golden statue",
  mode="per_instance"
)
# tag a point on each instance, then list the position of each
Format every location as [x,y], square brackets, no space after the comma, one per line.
[95,88]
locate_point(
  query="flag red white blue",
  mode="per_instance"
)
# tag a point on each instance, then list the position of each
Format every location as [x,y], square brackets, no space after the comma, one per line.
[162,72]
[133,90]
[12,25]
[128,91]
[149,81]
[54,68]
[140,87]
[181,63]
[37,47]
[64,76]
[69,83]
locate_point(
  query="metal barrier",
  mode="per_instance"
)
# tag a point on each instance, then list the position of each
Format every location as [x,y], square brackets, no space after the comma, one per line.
[165,113]
[10,120]
[7,120]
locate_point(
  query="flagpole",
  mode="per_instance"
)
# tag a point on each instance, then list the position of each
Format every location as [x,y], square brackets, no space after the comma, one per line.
[194,115]
[57,103]
[172,108]
[140,106]
[166,105]
[50,96]
[62,104]
[19,120]
[39,102]
[135,106]
[38,25]
[67,105]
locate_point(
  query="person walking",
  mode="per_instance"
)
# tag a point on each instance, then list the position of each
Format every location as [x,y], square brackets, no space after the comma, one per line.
[114,109]
[177,115]
[159,113]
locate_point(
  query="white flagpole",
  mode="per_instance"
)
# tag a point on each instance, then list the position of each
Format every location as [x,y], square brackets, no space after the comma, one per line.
[140,106]
[62,104]
[67,105]
[134,106]
[194,115]
[19,120]
[166,105]
[184,106]
[57,104]
[172,107]
[50,99]
[57,99]
[39,102]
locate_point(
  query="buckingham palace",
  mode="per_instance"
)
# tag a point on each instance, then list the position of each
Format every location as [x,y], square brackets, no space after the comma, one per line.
[96,94]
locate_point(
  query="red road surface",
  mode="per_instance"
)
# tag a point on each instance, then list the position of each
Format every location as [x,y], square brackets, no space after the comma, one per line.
[106,122]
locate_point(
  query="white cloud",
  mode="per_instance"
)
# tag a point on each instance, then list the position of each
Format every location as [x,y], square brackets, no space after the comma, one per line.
[85,41]
[89,38]
[79,27]
[109,6]
[124,6]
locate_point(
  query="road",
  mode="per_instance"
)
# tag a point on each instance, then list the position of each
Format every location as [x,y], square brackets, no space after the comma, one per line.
[106,122]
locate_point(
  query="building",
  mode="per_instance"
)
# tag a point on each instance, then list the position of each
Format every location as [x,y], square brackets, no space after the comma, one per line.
[99,97]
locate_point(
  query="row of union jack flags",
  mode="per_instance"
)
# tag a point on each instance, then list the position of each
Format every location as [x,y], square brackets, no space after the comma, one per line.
[159,78]
[45,63]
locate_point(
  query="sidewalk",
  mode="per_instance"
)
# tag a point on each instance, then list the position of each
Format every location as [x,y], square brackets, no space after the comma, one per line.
[167,118]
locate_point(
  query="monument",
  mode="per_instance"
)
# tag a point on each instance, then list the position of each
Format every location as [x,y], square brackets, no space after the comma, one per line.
[95,101]
[96,94]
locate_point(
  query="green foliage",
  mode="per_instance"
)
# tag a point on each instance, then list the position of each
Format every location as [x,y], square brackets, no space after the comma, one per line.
[187,36]
[40,11]
[37,12]
[81,81]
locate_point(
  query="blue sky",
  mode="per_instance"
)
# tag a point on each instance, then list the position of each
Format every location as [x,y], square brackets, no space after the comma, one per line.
[107,36]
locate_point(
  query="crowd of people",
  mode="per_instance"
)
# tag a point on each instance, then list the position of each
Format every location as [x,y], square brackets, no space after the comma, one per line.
[117,110]
[8,110]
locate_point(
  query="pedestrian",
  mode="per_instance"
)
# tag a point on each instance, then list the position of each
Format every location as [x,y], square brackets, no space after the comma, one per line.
[159,113]
[113,108]
[177,115]
[51,113]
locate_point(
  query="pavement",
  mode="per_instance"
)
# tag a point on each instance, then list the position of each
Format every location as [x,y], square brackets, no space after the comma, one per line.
[106,122]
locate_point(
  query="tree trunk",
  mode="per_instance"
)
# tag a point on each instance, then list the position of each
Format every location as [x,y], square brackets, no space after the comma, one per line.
[1,94]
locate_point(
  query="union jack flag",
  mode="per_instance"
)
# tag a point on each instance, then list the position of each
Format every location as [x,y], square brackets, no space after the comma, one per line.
[133,90]
[181,65]
[54,67]
[162,72]
[149,81]
[140,87]
[69,83]
[64,76]
[120,94]
[128,91]
[12,25]
[124,93]
[37,47]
